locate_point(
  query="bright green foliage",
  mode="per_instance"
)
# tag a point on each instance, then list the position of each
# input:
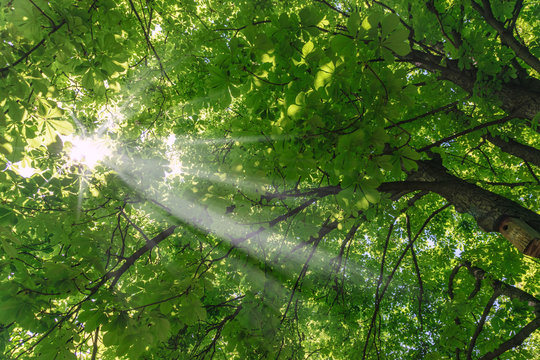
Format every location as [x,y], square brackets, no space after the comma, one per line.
[285,218]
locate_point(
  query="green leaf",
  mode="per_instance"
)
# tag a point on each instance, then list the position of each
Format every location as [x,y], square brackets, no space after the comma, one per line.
[125,345]
[410,153]
[9,249]
[7,217]
[94,320]
[6,148]
[263,43]
[353,22]
[307,48]
[389,24]
[371,21]
[161,328]
[26,19]
[88,80]
[362,203]
[294,110]
[369,191]
[9,308]
[110,338]
[17,113]
[63,127]
[309,16]
[165,307]
[324,75]
[398,42]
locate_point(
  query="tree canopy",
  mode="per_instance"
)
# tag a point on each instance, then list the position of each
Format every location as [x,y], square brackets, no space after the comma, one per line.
[263,179]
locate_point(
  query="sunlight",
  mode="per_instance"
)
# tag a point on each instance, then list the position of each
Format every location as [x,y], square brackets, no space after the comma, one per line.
[155,31]
[23,169]
[87,151]
[176,168]
[255,240]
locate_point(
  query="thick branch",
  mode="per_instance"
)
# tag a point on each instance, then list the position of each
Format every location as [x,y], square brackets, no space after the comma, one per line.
[519,98]
[506,36]
[510,146]
[514,341]
[489,209]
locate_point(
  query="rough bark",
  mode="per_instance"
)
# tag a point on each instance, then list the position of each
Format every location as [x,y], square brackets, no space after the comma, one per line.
[515,148]
[489,209]
[506,35]
[521,98]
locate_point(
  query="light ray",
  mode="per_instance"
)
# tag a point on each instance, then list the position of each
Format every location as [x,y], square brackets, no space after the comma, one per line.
[190,140]
[237,180]
[88,151]
[231,229]
[91,150]
[23,168]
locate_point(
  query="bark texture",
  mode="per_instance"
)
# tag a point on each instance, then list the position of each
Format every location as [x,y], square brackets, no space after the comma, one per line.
[515,148]
[520,97]
[489,209]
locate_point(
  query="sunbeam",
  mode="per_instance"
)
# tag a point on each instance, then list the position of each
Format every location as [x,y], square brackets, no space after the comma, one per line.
[255,241]
[88,151]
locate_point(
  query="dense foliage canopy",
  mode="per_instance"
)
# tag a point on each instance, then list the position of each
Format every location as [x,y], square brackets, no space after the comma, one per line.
[264,179]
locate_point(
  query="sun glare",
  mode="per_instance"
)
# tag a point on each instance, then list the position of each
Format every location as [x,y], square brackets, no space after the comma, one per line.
[88,151]
[24,169]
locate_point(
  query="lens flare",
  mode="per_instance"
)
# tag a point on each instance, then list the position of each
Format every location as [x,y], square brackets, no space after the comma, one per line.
[88,151]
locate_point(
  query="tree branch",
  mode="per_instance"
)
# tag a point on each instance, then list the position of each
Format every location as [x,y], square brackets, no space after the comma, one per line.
[506,36]
[95,344]
[488,208]
[152,243]
[468,131]
[481,323]
[514,341]
[325,229]
[519,98]
[292,212]
[432,112]
[150,45]
[510,146]
[391,276]
[418,274]
[333,7]
[34,48]
[499,288]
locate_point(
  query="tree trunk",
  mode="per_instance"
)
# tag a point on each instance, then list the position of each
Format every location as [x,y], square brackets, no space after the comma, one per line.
[520,97]
[515,148]
[489,209]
